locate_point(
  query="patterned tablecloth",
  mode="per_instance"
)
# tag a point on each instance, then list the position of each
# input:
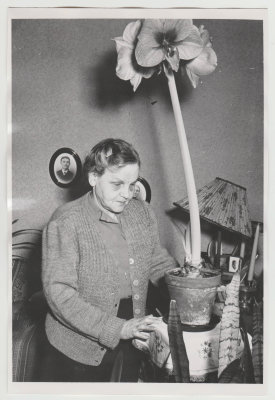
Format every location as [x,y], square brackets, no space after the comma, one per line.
[202,350]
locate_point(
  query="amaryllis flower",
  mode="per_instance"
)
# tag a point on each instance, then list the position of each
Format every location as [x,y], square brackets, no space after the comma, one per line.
[167,39]
[127,67]
[156,45]
[205,63]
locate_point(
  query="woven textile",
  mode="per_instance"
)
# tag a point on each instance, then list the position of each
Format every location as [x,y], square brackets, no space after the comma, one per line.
[223,203]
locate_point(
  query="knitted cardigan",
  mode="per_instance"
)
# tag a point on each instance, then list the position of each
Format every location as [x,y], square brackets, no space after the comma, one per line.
[80,277]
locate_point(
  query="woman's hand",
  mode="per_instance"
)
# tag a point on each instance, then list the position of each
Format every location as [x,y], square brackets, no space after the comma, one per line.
[139,328]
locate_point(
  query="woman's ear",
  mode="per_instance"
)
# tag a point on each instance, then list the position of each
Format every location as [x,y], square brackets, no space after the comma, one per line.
[92,177]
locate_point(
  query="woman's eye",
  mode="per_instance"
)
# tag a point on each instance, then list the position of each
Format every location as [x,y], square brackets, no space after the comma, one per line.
[116,184]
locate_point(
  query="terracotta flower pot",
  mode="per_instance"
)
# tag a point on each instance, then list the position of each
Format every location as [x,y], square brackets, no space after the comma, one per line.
[195,297]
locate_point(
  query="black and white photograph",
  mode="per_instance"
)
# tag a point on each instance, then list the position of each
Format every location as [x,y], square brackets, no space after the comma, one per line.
[65,167]
[142,190]
[234,263]
[137,146]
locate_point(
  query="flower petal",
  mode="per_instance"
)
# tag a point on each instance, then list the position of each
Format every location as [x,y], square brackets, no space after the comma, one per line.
[131,31]
[148,56]
[125,69]
[147,72]
[179,28]
[191,46]
[135,81]
[143,73]
[204,35]
[148,51]
[205,63]
[150,32]
[120,42]
[129,36]
[193,77]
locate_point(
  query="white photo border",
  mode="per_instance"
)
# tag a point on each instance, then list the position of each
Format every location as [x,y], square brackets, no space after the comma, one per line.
[20,390]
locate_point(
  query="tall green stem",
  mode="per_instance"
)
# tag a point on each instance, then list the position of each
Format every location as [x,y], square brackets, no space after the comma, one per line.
[188,172]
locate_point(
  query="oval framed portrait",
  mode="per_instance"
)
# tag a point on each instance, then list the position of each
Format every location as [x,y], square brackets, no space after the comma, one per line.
[142,190]
[65,167]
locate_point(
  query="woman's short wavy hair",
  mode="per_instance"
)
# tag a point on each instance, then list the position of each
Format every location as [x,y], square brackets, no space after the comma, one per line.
[110,153]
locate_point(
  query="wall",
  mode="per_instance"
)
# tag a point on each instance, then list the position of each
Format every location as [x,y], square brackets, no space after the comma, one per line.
[65,94]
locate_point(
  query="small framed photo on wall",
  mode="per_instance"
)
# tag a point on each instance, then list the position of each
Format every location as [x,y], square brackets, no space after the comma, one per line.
[234,264]
[65,167]
[142,190]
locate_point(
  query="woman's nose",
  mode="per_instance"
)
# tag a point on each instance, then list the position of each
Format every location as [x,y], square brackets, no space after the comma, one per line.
[125,192]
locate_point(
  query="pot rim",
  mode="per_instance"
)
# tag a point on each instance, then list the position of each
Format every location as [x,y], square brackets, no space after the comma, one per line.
[211,280]
[169,271]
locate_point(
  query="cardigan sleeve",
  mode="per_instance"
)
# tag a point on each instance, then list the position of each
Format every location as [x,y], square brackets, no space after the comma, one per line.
[161,260]
[60,283]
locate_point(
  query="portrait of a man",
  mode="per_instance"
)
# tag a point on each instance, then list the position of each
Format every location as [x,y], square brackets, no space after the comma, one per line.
[64,174]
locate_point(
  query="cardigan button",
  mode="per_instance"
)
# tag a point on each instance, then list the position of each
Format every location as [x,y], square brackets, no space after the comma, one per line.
[137,311]
[136,296]
[131,261]
[135,282]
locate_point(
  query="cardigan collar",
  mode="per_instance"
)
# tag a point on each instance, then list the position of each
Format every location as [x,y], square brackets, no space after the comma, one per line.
[97,211]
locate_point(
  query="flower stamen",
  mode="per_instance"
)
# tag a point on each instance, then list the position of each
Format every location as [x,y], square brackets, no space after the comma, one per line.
[168,48]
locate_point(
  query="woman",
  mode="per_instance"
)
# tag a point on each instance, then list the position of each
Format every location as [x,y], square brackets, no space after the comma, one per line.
[99,253]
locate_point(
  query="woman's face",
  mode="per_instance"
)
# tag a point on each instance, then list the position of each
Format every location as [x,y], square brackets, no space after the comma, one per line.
[115,188]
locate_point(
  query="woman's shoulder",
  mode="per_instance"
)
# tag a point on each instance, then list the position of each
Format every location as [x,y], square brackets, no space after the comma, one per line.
[141,209]
[69,210]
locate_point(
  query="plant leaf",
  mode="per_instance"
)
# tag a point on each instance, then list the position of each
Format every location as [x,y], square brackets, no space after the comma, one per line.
[230,323]
[246,360]
[257,341]
[232,373]
[117,368]
[177,346]
[182,231]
